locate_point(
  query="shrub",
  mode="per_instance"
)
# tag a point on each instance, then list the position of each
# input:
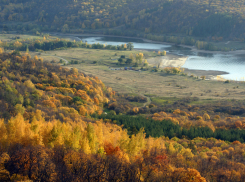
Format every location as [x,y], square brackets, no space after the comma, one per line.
[203,77]
[172,70]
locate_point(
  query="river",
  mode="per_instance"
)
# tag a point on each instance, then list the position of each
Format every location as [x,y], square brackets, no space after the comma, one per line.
[233,64]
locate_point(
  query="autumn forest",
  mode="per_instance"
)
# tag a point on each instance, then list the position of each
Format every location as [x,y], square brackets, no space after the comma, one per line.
[54,128]
[60,122]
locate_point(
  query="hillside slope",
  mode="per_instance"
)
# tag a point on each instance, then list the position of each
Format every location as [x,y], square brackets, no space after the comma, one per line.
[199,18]
[29,84]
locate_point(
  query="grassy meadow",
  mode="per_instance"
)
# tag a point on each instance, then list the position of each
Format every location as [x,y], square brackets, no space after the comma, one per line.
[157,85]
[21,37]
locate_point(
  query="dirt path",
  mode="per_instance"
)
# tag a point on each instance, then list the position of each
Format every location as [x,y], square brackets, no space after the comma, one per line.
[148,101]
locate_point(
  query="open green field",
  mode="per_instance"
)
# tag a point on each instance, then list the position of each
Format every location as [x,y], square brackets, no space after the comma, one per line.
[91,56]
[234,45]
[20,37]
[163,85]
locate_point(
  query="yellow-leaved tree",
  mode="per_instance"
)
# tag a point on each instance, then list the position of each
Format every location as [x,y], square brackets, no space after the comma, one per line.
[1,50]
[92,138]
[136,143]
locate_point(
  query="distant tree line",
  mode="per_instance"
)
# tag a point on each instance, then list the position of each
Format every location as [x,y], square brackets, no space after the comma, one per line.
[59,44]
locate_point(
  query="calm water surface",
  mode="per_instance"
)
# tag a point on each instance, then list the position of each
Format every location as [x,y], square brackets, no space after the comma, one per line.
[233,64]
[138,43]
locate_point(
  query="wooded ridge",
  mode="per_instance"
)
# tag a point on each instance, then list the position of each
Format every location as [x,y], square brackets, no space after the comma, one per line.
[203,18]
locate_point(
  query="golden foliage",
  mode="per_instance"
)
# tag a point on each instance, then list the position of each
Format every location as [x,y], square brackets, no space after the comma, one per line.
[135,109]
[17,44]
[1,50]
[190,175]
[173,70]
[206,117]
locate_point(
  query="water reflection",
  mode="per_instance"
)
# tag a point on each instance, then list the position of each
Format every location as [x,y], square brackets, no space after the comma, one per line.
[120,41]
[177,47]
[234,65]
[179,50]
[203,54]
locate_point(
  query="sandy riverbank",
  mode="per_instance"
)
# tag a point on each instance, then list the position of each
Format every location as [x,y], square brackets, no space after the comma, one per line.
[168,60]
[209,74]
[179,61]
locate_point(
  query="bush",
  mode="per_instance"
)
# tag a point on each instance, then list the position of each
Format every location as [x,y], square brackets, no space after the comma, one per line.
[120,60]
[203,77]
[173,70]
[129,61]
[112,112]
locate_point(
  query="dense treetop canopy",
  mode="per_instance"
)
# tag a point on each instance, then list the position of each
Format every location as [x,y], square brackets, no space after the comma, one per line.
[198,18]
